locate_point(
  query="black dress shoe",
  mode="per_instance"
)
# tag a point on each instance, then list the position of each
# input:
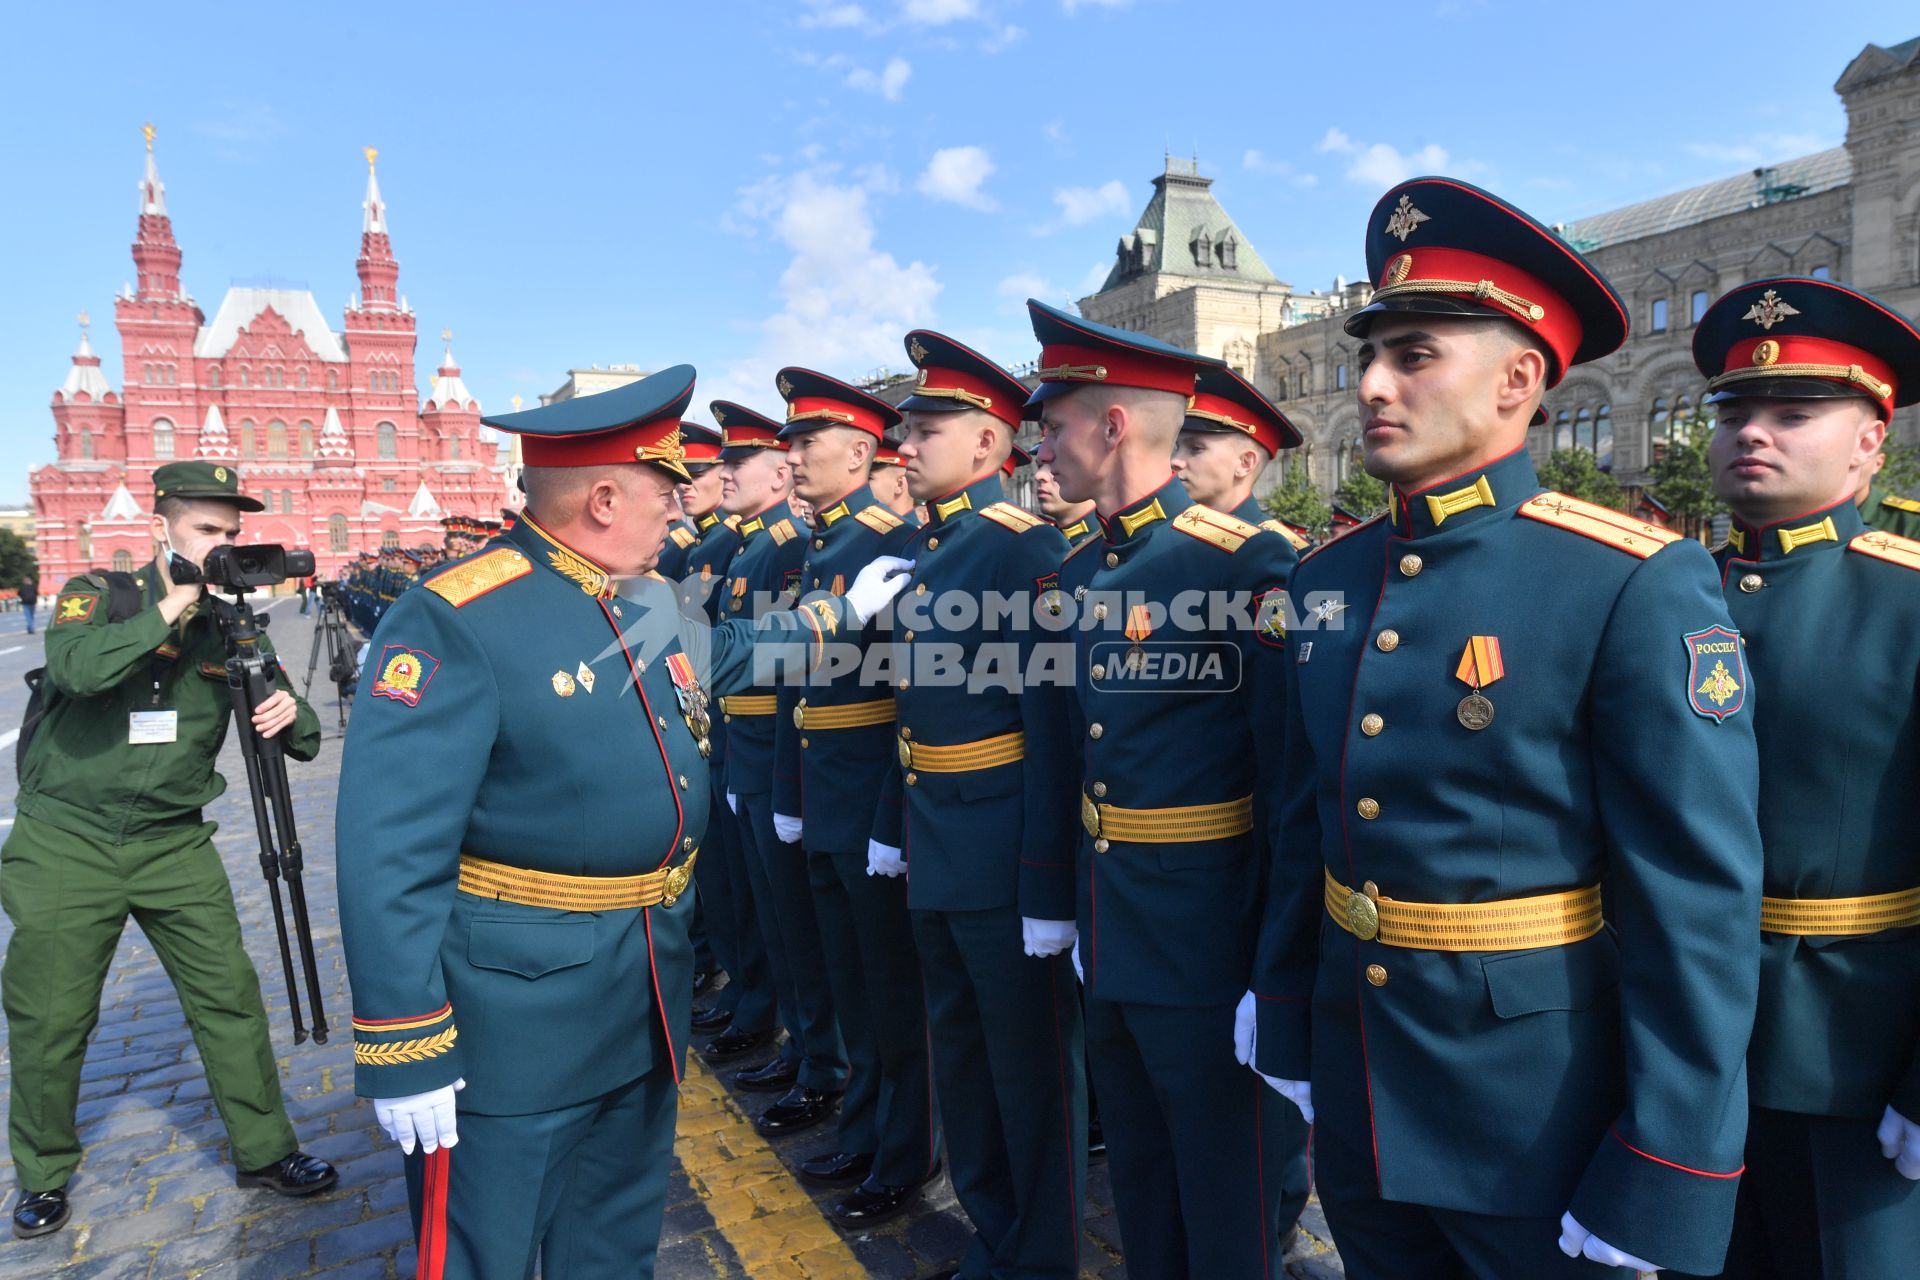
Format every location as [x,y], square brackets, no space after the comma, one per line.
[800,1108]
[296,1175]
[41,1213]
[1096,1138]
[836,1168]
[702,979]
[733,1043]
[871,1202]
[711,1017]
[774,1076]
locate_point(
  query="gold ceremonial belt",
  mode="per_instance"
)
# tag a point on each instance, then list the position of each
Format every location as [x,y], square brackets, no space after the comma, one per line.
[1511,924]
[852,716]
[963,757]
[1183,824]
[486,879]
[750,704]
[1840,917]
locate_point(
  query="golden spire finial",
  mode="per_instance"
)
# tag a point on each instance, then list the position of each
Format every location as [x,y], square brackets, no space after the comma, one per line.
[147,130]
[84,319]
[516,404]
[446,335]
[373,153]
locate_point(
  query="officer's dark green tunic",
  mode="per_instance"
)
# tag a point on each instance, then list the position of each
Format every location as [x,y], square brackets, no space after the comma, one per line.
[1890,512]
[108,829]
[1833,640]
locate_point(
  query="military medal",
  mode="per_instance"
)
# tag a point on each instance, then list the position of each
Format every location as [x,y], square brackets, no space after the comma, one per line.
[693,700]
[1139,627]
[1480,665]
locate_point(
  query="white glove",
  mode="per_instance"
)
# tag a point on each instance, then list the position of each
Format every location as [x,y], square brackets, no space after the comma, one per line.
[426,1118]
[1049,937]
[1900,1143]
[785,828]
[1078,972]
[1246,1039]
[882,580]
[733,802]
[884,860]
[1576,1240]
[1244,1024]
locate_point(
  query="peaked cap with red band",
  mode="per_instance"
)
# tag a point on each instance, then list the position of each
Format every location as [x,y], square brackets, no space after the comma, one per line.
[1016,459]
[639,422]
[1799,339]
[815,400]
[954,377]
[743,430]
[1225,401]
[1075,353]
[701,443]
[887,455]
[1438,246]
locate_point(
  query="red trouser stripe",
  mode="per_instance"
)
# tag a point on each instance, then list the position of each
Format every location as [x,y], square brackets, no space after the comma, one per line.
[433,1216]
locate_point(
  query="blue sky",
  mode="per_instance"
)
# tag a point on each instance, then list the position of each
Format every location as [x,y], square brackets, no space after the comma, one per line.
[745,185]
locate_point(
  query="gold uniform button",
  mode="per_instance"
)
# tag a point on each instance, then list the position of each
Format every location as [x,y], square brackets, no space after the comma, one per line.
[932,543]
[683,782]
[1371,724]
[1100,845]
[726,718]
[816,582]
[909,637]
[687,844]
[1751,583]
[912,778]
[906,734]
[1377,975]
[1099,613]
[1371,889]
[1387,641]
[1411,564]
[1099,671]
[1099,789]
[662,721]
[903,684]
[1094,730]
[920,590]
[1113,560]
[803,742]
[1368,808]
[819,544]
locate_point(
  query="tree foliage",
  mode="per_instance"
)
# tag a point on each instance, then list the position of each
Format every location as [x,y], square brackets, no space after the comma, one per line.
[16,562]
[1577,473]
[1361,494]
[1683,479]
[1902,472]
[1297,500]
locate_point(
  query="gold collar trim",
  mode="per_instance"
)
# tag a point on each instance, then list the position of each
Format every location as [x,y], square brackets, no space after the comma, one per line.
[835,512]
[1477,494]
[1738,538]
[706,522]
[953,506]
[1129,524]
[1078,529]
[568,563]
[1819,531]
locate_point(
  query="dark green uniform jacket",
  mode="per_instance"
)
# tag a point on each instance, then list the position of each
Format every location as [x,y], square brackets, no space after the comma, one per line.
[1608,1074]
[1833,630]
[764,574]
[1890,513]
[81,774]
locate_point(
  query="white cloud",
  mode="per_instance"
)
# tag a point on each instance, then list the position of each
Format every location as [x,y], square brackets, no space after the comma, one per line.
[1256,161]
[1095,277]
[1381,164]
[1761,148]
[844,301]
[1336,141]
[937,13]
[955,174]
[825,13]
[887,82]
[1014,290]
[1081,205]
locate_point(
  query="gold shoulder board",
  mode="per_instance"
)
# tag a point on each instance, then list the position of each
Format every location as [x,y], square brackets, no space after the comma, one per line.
[470,579]
[684,538]
[1904,552]
[1214,527]
[1008,516]
[1899,503]
[1299,543]
[732,522]
[782,532]
[878,519]
[1603,524]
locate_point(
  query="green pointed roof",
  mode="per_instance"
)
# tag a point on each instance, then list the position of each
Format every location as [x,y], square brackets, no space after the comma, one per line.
[1185,232]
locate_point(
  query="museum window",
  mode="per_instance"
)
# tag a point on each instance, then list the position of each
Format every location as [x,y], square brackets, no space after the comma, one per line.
[453,447]
[337,533]
[306,439]
[386,486]
[246,438]
[213,375]
[388,440]
[1583,430]
[162,438]
[1563,430]
[277,441]
[1660,422]
[1682,416]
[1822,273]
[85,544]
[1603,437]
[86,446]
[333,380]
[302,377]
[123,561]
[246,376]
[286,502]
[1699,304]
[390,540]
[1229,251]
[1340,378]
[1202,246]
[1659,315]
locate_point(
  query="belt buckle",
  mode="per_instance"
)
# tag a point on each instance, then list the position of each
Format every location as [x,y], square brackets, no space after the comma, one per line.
[906,754]
[1089,815]
[1363,916]
[677,880]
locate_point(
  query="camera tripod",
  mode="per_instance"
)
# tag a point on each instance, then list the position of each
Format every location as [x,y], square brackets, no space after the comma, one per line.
[330,632]
[250,683]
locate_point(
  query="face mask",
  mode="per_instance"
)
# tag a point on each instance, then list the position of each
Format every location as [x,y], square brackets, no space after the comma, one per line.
[179,568]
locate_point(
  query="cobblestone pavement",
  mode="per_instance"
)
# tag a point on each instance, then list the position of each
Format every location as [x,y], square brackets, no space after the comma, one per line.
[155,1197]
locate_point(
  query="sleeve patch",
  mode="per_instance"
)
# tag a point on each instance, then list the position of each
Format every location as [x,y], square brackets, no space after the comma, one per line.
[1716,672]
[1270,620]
[74,608]
[404,674]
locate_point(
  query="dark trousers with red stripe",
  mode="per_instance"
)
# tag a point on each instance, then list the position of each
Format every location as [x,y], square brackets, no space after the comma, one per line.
[1008,1057]
[580,1191]
[1197,1145]
[1385,1240]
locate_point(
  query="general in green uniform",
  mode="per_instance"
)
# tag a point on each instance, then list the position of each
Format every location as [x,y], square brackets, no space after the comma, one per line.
[110,825]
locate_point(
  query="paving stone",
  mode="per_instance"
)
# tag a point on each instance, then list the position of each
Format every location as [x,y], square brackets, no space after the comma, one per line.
[153,1227]
[380,1235]
[134,1264]
[303,1218]
[199,1251]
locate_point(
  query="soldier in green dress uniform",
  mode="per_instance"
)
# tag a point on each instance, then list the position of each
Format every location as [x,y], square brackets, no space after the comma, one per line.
[1232,432]
[1885,510]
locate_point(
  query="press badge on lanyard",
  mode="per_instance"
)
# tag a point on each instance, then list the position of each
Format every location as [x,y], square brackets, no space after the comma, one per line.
[144,727]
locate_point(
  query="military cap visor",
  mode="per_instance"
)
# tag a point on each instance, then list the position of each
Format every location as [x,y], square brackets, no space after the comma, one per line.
[742,431]
[815,400]
[953,377]
[1076,353]
[207,481]
[639,422]
[1795,338]
[1439,246]
[1223,401]
[701,445]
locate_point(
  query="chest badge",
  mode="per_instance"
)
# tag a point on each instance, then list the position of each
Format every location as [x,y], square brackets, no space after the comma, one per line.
[563,684]
[1139,627]
[1480,665]
[585,676]
[1716,673]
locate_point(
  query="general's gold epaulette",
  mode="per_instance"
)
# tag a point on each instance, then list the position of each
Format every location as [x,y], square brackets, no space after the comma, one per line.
[1216,528]
[782,532]
[467,581]
[1008,516]
[683,537]
[1603,524]
[732,522]
[878,519]
[1285,531]
[1899,503]
[1890,547]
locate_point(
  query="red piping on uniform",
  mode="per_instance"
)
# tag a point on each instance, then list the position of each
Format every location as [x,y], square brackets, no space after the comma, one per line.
[1435,484]
[432,1258]
[1066,1112]
[653,971]
[1698,1173]
[441,1012]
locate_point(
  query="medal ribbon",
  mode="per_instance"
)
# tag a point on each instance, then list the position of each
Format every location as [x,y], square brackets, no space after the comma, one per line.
[1139,623]
[1480,663]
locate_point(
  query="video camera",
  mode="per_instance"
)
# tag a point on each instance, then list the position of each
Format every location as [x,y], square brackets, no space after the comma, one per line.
[237,570]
